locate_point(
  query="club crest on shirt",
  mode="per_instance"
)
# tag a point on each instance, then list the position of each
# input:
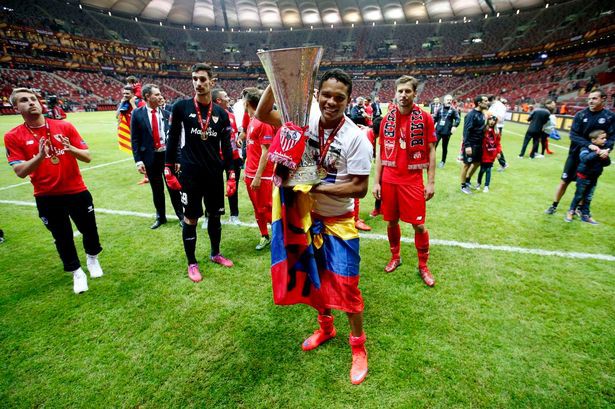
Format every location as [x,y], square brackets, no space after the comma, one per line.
[215,119]
[192,116]
[601,120]
[289,138]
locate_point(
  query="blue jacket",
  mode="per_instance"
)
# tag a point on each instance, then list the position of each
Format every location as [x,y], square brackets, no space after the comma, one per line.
[591,164]
[141,135]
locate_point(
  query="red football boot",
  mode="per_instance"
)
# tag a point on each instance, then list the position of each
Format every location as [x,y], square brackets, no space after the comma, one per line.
[321,335]
[392,265]
[193,273]
[374,212]
[358,370]
[426,276]
[360,225]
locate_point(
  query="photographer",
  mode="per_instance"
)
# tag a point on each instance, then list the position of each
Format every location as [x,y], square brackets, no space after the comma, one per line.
[358,114]
[55,110]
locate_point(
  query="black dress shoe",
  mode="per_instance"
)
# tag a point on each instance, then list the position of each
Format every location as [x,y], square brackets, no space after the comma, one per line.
[158,223]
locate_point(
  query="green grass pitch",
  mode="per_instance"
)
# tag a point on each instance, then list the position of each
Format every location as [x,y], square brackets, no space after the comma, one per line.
[501,329]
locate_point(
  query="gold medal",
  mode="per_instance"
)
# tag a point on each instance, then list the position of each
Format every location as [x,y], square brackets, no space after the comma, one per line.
[203,136]
[322,173]
[55,160]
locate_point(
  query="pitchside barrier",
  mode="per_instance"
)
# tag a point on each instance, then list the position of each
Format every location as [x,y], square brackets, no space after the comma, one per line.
[563,122]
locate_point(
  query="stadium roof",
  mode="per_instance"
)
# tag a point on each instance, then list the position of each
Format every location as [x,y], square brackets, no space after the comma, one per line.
[306,13]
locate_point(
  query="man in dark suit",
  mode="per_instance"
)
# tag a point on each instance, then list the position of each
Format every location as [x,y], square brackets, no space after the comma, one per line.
[148,132]
[537,119]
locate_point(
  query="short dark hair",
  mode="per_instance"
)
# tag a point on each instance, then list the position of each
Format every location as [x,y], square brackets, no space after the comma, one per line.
[245,91]
[491,98]
[201,66]
[253,96]
[548,101]
[146,91]
[338,75]
[405,79]
[215,93]
[129,88]
[478,99]
[131,79]
[376,125]
[601,91]
[595,133]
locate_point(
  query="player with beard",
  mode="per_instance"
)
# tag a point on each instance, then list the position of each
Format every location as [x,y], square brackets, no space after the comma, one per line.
[47,150]
[345,154]
[203,129]
[407,147]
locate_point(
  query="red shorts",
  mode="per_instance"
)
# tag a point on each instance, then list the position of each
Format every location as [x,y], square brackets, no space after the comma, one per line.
[405,202]
[261,197]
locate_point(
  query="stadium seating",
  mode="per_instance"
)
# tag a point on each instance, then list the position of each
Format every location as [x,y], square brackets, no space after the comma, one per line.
[85,53]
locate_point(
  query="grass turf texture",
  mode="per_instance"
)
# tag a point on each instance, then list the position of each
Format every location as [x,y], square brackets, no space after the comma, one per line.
[499,329]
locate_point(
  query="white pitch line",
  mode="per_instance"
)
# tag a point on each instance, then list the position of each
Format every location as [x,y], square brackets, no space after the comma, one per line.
[102,165]
[550,143]
[510,249]
[372,236]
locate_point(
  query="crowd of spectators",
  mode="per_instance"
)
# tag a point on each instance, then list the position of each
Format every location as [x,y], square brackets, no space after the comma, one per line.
[567,83]
[449,38]
[78,40]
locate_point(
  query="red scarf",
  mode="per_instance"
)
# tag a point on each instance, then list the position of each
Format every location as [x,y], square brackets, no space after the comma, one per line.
[417,145]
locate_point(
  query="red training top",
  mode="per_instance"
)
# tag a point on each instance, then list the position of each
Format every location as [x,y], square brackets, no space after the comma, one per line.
[231,118]
[48,179]
[259,133]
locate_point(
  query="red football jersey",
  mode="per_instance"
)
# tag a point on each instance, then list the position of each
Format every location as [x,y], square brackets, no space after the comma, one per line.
[48,179]
[400,174]
[231,118]
[259,133]
[491,146]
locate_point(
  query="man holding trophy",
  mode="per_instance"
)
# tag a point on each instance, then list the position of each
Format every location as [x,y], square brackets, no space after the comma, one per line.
[341,158]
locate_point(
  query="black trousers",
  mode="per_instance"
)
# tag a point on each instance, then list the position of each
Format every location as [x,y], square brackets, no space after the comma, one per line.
[535,138]
[445,139]
[233,201]
[155,174]
[56,213]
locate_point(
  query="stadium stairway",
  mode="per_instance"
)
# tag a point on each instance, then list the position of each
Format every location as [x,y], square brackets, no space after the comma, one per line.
[173,90]
[67,82]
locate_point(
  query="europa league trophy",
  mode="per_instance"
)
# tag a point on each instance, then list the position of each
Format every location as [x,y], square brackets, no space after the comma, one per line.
[292,74]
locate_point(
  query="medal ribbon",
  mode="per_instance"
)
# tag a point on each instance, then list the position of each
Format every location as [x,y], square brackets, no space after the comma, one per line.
[325,145]
[200,117]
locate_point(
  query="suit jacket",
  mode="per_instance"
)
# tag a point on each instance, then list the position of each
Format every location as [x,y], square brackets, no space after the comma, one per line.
[141,135]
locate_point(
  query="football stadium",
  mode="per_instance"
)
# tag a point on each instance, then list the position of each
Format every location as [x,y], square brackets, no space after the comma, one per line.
[307,204]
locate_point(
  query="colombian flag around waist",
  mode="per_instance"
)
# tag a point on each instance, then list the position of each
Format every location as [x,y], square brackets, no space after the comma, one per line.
[123,134]
[314,260]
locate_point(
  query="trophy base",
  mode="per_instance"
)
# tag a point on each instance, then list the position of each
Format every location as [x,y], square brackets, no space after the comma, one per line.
[303,175]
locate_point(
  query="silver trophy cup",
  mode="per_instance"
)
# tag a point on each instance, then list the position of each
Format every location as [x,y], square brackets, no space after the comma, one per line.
[292,74]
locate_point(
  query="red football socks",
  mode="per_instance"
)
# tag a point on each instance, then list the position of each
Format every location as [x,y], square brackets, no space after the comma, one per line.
[322,334]
[421,241]
[358,370]
[394,234]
